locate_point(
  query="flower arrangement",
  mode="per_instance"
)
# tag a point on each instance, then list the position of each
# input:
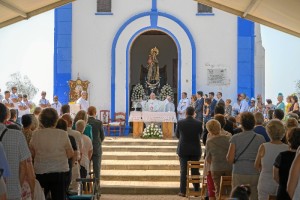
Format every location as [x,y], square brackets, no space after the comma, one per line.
[152,132]
[138,92]
[165,91]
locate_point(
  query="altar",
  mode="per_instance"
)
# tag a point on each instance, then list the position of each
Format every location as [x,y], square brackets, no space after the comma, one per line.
[166,118]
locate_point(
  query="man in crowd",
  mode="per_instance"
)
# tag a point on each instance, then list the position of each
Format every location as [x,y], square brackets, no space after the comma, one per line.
[252,107]
[182,106]
[199,106]
[44,103]
[7,101]
[27,103]
[17,153]
[213,104]
[98,138]
[82,101]
[21,108]
[14,97]
[244,104]
[188,132]
[56,105]
[169,105]
[219,98]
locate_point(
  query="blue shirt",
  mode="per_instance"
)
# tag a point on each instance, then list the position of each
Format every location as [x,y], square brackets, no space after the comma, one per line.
[262,131]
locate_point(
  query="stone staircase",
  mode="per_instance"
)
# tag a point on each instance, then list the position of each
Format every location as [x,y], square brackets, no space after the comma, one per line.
[139,166]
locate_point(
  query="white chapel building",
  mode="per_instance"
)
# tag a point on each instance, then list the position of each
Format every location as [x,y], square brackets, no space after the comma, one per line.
[107,42]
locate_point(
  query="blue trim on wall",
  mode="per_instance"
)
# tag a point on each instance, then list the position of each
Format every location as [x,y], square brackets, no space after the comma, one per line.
[153,26]
[62,52]
[205,14]
[103,13]
[154,6]
[245,62]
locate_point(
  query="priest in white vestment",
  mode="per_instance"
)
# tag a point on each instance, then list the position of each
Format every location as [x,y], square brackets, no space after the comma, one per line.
[169,105]
[152,105]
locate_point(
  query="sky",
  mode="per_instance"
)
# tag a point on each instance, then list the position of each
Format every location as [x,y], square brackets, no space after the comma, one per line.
[28,47]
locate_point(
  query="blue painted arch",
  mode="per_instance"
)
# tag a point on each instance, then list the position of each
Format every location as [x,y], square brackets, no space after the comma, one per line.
[153,25]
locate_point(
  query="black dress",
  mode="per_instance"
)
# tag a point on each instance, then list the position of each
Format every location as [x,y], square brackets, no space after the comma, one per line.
[283,162]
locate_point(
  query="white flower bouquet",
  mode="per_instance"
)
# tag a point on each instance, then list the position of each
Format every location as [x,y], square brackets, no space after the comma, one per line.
[152,132]
[165,91]
[138,92]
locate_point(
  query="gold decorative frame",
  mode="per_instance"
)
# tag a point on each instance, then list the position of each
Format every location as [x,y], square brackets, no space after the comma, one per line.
[76,87]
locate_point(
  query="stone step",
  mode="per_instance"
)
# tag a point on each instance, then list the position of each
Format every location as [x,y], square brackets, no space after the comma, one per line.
[139,187]
[107,148]
[141,175]
[139,156]
[109,141]
[140,165]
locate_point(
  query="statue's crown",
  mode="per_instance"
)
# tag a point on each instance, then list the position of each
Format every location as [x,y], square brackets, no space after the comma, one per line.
[154,50]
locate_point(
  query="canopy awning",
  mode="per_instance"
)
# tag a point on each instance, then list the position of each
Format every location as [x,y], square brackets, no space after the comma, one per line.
[12,11]
[283,15]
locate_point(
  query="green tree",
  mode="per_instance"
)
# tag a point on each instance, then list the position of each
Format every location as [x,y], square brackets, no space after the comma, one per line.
[23,84]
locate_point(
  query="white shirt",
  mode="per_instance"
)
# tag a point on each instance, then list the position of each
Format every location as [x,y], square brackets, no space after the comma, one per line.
[244,106]
[27,103]
[182,106]
[21,112]
[169,107]
[14,96]
[57,107]
[9,101]
[43,102]
[87,146]
[84,104]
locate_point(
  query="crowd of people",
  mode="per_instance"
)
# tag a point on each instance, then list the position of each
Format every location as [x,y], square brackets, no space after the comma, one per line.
[45,147]
[254,143]
[43,150]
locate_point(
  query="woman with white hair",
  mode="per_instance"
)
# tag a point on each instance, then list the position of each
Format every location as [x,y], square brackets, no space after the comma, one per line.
[266,156]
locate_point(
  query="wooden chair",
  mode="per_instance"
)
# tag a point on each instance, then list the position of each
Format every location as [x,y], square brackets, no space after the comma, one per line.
[225,187]
[118,124]
[105,118]
[193,178]
[272,197]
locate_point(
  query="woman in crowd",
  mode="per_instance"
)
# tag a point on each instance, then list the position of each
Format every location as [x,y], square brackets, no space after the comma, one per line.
[293,186]
[51,148]
[87,149]
[206,110]
[29,182]
[216,148]
[283,164]
[228,108]
[236,107]
[82,115]
[288,104]
[63,125]
[26,122]
[260,106]
[242,153]
[295,104]
[221,119]
[289,125]
[265,158]
[193,100]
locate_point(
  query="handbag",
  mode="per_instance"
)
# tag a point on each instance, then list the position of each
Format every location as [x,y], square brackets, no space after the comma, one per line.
[235,159]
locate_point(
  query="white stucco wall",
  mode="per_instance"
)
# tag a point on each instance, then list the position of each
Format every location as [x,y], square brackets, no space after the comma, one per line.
[215,38]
